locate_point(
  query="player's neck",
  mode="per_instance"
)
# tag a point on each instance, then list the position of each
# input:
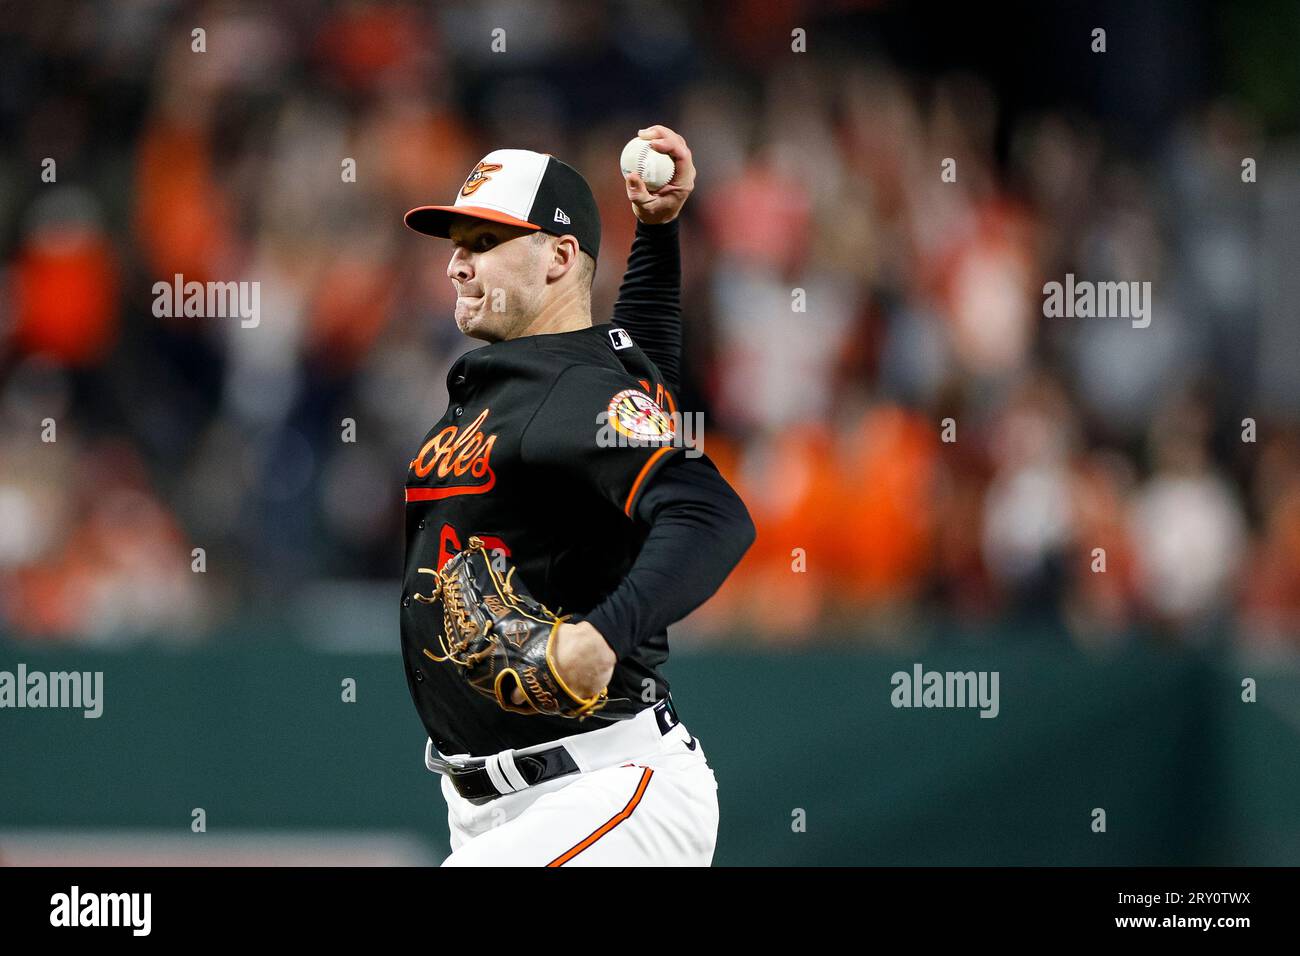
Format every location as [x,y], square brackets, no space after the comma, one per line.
[566,313]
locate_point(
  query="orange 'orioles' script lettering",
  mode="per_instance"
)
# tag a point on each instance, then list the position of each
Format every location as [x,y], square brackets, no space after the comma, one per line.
[455,452]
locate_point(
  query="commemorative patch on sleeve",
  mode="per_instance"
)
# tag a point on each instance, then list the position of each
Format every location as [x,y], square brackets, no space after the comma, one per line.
[635,414]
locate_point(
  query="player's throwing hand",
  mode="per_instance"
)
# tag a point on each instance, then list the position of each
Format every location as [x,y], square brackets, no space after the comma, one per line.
[665,204]
[582,660]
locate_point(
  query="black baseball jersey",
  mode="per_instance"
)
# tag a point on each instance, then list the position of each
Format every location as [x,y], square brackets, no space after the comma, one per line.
[546,445]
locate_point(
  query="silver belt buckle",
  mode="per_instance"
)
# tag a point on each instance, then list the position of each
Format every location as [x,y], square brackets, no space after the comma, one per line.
[441,764]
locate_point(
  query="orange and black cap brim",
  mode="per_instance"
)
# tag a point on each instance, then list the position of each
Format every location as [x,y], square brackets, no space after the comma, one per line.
[436,220]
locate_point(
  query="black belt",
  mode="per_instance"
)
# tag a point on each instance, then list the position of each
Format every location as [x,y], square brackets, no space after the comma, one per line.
[474,783]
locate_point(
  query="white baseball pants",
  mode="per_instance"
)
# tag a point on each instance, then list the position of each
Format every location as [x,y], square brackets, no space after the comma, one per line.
[642,798]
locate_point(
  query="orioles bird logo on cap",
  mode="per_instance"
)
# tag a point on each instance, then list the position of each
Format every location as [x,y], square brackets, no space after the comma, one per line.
[478,177]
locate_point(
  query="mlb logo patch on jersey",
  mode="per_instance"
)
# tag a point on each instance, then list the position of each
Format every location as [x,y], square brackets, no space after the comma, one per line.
[620,339]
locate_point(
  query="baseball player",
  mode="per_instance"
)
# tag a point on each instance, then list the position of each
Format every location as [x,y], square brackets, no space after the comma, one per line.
[557,479]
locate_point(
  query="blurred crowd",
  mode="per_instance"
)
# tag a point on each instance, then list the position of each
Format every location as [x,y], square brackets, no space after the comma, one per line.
[921,449]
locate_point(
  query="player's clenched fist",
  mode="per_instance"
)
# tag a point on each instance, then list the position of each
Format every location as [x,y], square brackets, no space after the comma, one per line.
[581,659]
[664,204]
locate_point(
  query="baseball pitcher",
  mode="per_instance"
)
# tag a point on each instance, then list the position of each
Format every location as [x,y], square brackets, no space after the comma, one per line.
[556,524]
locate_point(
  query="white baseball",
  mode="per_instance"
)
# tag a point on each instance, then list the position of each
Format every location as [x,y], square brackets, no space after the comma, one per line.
[655,169]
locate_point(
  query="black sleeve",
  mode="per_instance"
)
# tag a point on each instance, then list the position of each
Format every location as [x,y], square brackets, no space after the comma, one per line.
[649,302]
[699,531]
[598,426]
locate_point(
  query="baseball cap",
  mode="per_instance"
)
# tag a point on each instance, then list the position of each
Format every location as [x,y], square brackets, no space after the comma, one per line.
[520,188]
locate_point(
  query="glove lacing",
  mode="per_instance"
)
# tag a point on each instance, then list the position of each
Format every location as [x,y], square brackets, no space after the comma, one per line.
[455,620]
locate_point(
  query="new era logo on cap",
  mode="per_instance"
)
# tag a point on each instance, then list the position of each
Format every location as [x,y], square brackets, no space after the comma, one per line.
[521,188]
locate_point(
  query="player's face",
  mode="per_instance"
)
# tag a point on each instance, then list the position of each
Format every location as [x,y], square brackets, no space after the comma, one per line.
[499,278]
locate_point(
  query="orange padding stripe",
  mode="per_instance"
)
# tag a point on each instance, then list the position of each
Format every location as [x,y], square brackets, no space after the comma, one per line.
[645,470]
[613,821]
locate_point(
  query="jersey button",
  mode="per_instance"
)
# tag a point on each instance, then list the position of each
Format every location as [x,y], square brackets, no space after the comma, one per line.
[421,524]
[460,380]
[460,410]
[406,600]
[418,675]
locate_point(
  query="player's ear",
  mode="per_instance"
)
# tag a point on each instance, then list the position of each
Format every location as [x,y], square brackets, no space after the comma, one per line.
[564,258]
